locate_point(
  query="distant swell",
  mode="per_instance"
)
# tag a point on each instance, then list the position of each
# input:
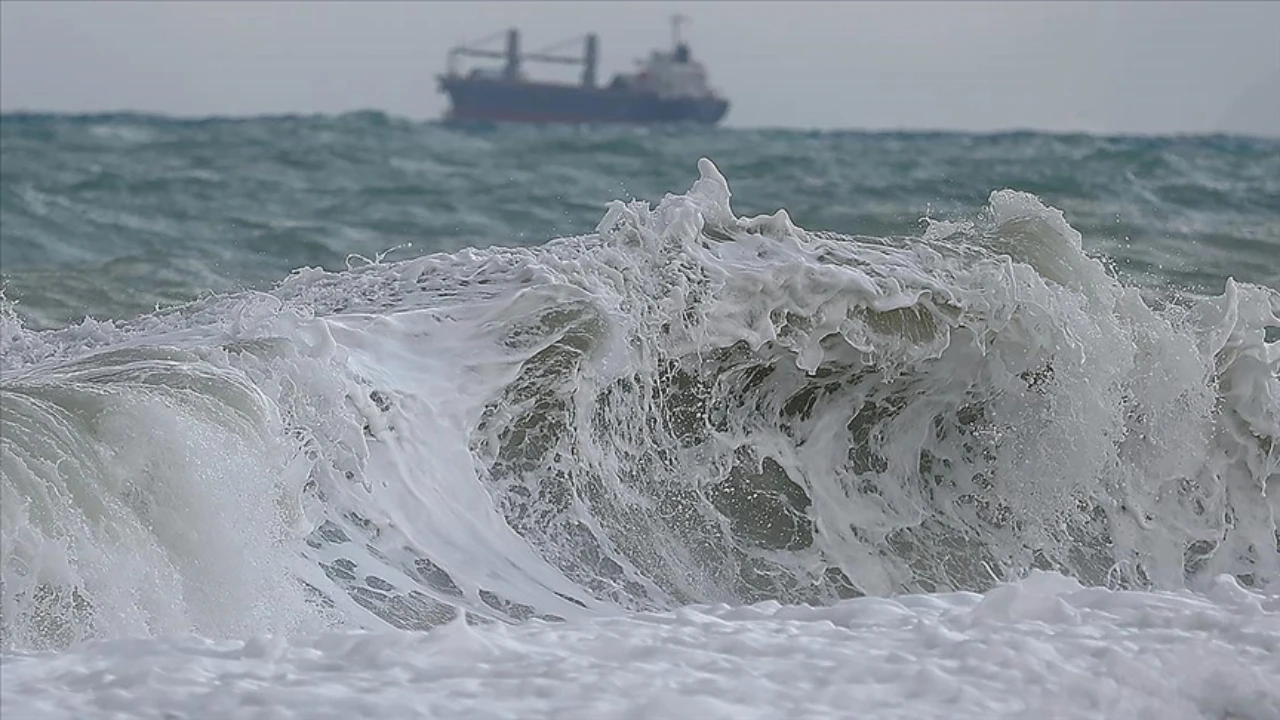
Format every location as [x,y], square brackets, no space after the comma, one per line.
[686,406]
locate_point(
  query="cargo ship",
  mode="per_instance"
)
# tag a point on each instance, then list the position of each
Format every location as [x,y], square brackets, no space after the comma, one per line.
[668,87]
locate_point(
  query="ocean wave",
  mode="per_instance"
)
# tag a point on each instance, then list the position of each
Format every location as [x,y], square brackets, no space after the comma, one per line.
[685,406]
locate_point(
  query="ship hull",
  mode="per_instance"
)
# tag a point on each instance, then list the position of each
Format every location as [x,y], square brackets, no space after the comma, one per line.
[484,100]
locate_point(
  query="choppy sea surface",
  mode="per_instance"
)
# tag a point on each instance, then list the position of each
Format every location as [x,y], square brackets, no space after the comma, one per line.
[358,416]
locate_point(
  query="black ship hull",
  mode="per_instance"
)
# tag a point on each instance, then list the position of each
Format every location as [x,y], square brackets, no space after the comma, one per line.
[496,100]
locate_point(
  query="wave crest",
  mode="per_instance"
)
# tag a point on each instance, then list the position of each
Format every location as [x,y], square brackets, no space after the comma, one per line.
[686,406]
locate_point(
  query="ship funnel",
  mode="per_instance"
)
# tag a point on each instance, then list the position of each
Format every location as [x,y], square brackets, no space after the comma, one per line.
[589,61]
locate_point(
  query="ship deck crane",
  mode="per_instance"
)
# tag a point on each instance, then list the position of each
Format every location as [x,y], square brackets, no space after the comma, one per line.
[514,58]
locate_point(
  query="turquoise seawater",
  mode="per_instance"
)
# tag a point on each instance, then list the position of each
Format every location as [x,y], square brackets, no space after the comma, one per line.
[110,216]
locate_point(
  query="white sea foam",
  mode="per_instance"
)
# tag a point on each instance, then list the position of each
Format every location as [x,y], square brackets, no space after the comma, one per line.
[1044,647]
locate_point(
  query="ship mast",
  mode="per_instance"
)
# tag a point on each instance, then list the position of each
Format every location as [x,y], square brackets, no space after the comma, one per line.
[676,21]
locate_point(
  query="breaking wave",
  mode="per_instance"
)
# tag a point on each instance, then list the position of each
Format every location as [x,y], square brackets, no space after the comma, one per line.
[686,406]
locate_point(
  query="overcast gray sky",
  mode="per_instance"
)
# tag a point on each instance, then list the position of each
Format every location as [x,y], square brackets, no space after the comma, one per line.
[1107,67]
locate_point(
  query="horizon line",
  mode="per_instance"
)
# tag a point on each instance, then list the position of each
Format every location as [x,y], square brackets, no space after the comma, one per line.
[195,118]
